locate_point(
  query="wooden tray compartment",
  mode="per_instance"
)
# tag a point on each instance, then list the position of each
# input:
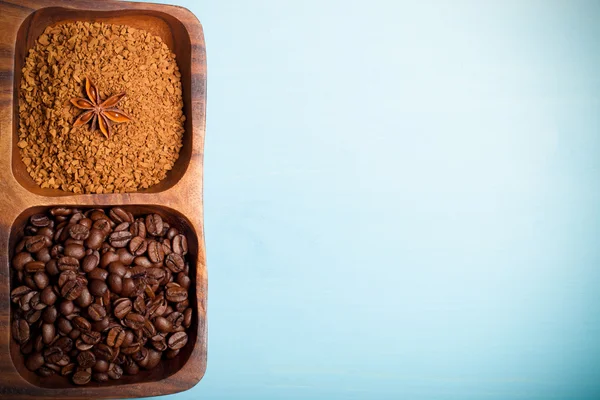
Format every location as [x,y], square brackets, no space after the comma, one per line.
[178,198]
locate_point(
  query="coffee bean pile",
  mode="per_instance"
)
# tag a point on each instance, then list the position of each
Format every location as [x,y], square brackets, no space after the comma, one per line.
[99,293]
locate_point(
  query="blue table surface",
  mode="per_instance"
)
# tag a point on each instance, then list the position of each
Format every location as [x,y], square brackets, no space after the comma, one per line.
[402,199]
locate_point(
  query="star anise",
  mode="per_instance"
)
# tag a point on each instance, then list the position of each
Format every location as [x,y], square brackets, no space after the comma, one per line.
[96,111]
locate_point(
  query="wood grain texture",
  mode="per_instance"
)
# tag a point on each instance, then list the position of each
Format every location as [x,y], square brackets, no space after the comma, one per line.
[178,197]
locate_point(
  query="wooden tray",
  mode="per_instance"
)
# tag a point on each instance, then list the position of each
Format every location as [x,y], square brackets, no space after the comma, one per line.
[178,198]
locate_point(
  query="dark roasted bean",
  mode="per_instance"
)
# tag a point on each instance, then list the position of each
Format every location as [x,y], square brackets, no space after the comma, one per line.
[96,312]
[72,289]
[50,314]
[115,283]
[34,266]
[177,340]
[176,294]
[20,260]
[115,337]
[180,245]
[43,255]
[81,323]
[125,256]
[91,337]
[90,261]
[39,220]
[79,231]
[137,246]
[97,287]
[134,321]
[75,250]
[86,359]
[20,331]
[103,352]
[68,263]
[175,262]
[154,224]
[98,273]
[82,377]
[115,371]
[34,361]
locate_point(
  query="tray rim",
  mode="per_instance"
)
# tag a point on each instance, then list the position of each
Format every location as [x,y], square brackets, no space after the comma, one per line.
[185,197]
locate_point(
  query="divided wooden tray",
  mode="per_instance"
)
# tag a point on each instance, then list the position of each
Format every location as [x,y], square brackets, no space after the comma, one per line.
[178,198]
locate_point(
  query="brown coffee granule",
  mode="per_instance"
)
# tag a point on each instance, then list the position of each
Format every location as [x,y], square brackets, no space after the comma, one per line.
[118,59]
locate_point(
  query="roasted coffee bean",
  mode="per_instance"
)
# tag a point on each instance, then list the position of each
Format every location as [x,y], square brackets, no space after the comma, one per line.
[36,243]
[115,337]
[79,231]
[31,230]
[156,252]
[175,262]
[53,354]
[163,325]
[82,377]
[138,246]
[104,225]
[125,256]
[90,261]
[46,231]
[117,268]
[65,344]
[37,303]
[118,215]
[74,334]
[95,239]
[41,279]
[86,359]
[86,222]
[176,319]
[139,305]
[75,250]
[67,263]
[182,305]
[27,347]
[48,333]
[177,340]
[122,307]
[96,312]
[128,350]
[52,267]
[160,344]
[83,346]
[153,359]
[100,366]
[166,244]
[143,261]
[129,287]
[34,361]
[187,317]
[100,377]
[100,325]
[119,238]
[64,325]
[97,287]
[68,369]
[33,316]
[76,217]
[66,276]
[171,233]
[183,280]
[138,228]
[72,289]
[176,294]
[98,273]
[134,321]
[81,323]
[35,266]
[20,331]
[131,368]
[39,220]
[154,224]
[19,292]
[66,307]
[84,299]
[115,283]
[140,356]
[148,329]
[95,214]
[43,255]
[180,245]
[91,337]
[24,301]
[129,338]
[115,371]
[20,260]
[50,314]
[103,352]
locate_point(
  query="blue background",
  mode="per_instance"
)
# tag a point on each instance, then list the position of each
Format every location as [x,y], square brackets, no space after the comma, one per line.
[402,199]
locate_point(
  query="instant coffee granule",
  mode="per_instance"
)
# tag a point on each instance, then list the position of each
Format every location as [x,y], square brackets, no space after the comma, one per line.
[118,59]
